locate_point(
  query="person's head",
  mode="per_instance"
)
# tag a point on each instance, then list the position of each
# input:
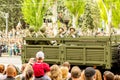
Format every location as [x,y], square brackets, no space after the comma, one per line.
[17,70]
[89,73]
[117,77]
[66,64]
[28,72]
[98,75]
[75,72]
[72,29]
[31,29]
[64,71]
[61,29]
[2,68]
[82,77]
[11,71]
[107,75]
[40,55]
[55,72]
[43,29]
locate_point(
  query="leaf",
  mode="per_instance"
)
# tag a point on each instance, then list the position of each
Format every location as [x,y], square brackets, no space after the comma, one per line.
[103,10]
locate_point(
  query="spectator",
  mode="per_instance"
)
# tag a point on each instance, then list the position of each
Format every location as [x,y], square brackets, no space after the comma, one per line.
[67,64]
[28,73]
[40,68]
[64,71]
[89,73]
[11,73]
[21,76]
[75,73]
[82,75]
[17,70]
[117,77]
[98,75]
[2,68]
[55,72]
[107,75]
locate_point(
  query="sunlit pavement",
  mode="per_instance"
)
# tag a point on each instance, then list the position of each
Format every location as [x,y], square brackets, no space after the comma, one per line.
[6,59]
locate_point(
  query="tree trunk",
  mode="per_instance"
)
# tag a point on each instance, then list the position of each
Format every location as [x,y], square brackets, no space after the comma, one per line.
[54,18]
[74,21]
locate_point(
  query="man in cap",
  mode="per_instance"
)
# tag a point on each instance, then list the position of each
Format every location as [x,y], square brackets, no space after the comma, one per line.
[89,73]
[40,68]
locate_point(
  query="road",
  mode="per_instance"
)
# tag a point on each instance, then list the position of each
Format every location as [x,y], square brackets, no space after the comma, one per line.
[16,60]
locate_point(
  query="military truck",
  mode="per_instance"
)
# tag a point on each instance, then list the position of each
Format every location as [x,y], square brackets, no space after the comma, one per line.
[86,50]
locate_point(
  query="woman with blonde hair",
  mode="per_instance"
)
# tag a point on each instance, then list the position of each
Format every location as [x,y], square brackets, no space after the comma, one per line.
[82,75]
[55,72]
[98,75]
[117,77]
[28,72]
[64,71]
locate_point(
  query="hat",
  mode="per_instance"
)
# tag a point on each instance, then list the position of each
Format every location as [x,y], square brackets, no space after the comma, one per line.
[40,54]
[89,72]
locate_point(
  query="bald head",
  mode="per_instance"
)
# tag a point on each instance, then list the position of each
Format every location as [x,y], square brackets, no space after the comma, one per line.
[11,71]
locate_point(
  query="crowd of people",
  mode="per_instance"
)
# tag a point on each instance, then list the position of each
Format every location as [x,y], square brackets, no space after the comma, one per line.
[37,69]
[11,43]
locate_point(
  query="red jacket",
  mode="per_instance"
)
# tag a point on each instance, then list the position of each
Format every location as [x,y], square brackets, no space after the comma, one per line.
[40,68]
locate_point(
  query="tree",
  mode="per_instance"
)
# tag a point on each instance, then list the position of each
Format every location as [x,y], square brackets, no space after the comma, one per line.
[114,5]
[76,7]
[34,10]
[12,7]
[91,17]
[109,13]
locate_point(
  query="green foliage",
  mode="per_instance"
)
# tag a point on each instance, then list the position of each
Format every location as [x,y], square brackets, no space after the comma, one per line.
[60,6]
[103,10]
[88,20]
[34,10]
[13,7]
[105,6]
[114,5]
[116,14]
[91,17]
[76,7]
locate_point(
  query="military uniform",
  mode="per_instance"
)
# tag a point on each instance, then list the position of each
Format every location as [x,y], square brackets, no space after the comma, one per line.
[72,33]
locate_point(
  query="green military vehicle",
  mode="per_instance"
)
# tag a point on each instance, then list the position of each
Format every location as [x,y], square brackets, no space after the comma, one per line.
[89,50]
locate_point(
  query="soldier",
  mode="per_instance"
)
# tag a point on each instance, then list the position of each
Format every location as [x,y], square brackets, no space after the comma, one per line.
[61,33]
[41,33]
[72,33]
[31,33]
